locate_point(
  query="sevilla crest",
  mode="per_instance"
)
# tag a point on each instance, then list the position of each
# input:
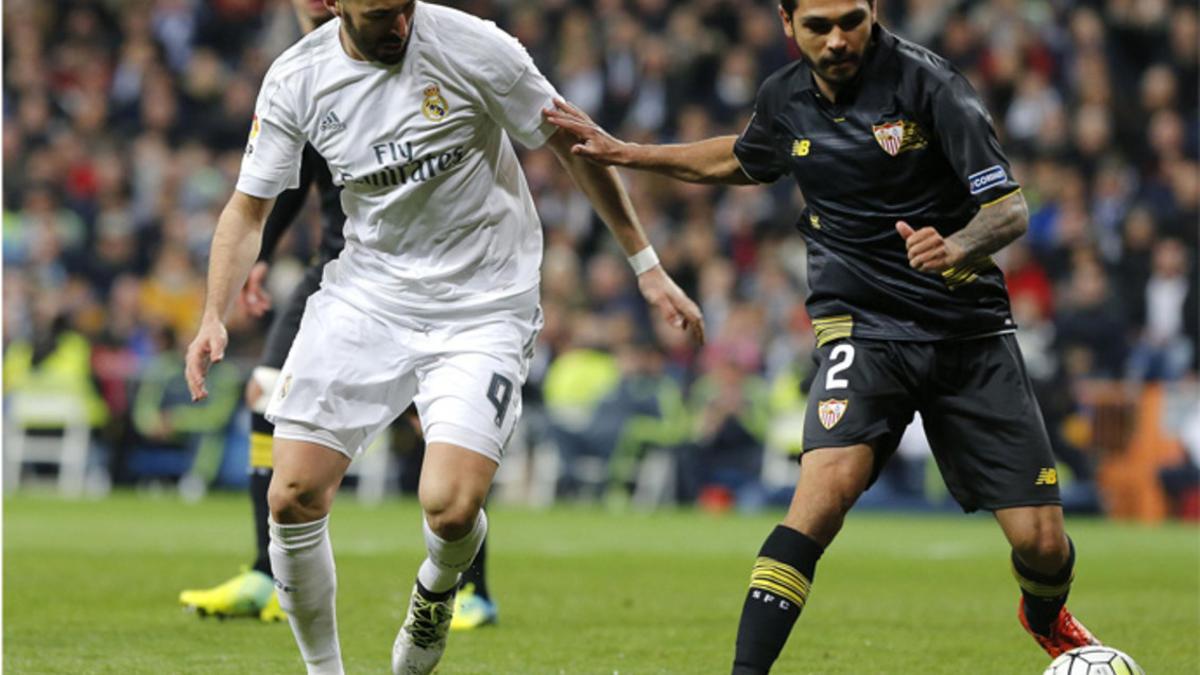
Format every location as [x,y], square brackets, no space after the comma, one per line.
[890,136]
[831,410]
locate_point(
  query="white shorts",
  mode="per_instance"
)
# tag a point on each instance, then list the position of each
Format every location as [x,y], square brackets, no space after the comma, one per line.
[352,371]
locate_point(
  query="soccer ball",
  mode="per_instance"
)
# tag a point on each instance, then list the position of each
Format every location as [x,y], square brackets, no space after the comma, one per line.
[1094,661]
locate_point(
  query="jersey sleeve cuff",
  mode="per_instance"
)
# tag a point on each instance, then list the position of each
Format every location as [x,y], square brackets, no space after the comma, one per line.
[259,187]
[993,202]
[537,137]
[749,175]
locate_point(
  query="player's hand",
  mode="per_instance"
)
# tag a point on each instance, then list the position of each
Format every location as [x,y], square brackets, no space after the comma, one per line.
[594,143]
[208,348]
[929,251]
[254,296]
[676,307]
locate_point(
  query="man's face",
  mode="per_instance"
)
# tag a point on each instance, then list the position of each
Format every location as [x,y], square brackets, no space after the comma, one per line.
[832,35]
[315,10]
[379,29]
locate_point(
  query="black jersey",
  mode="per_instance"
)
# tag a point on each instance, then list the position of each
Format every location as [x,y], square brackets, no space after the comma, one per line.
[313,169]
[910,140]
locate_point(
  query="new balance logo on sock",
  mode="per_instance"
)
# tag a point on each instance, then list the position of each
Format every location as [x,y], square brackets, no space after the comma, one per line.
[331,122]
[284,587]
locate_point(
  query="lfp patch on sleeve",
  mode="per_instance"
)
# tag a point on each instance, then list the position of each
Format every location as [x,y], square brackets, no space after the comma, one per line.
[987,178]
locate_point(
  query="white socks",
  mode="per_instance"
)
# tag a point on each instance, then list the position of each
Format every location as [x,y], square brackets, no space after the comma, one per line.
[447,560]
[306,581]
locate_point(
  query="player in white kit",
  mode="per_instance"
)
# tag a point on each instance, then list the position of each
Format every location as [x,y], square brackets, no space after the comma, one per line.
[434,299]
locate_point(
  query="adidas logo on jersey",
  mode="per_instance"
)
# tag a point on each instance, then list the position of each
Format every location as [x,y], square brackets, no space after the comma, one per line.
[330,122]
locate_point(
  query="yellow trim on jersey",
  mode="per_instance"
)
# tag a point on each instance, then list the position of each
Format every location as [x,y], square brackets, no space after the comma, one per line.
[967,272]
[997,201]
[830,328]
[260,450]
[1042,590]
[955,277]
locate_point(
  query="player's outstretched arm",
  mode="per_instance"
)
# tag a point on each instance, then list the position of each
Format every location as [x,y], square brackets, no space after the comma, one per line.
[707,161]
[234,249]
[994,227]
[603,188]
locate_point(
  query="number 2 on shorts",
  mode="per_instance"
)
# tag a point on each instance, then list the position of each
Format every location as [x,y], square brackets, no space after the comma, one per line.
[841,357]
[500,393]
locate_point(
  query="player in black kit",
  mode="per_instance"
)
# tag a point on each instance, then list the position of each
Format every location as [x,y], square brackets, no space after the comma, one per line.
[908,194]
[252,593]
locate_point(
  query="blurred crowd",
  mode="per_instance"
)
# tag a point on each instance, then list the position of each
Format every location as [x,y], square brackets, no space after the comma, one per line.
[124,123]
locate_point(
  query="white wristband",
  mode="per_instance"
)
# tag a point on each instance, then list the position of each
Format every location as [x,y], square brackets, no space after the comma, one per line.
[643,261]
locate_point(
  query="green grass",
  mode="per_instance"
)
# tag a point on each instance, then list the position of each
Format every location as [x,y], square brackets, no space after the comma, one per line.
[90,587]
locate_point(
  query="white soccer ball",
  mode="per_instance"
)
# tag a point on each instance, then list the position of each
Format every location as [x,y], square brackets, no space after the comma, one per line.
[1094,661]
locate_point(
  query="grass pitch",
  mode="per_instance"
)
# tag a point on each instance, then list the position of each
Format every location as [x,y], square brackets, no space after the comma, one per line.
[91,587]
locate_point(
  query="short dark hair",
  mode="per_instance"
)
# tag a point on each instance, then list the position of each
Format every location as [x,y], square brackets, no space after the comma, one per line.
[789,6]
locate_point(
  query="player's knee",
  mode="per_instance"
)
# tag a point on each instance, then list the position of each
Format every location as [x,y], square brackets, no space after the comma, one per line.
[452,516]
[294,501]
[1044,548]
[820,514]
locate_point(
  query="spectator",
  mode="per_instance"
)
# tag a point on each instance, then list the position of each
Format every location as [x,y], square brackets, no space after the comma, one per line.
[124,123]
[1164,348]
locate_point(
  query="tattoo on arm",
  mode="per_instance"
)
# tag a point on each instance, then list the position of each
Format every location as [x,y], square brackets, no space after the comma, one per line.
[994,227]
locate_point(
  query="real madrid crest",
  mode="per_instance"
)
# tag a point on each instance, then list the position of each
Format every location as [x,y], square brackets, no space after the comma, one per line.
[831,410]
[434,107]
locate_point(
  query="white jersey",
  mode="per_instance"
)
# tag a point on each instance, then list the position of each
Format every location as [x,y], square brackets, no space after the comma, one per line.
[438,214]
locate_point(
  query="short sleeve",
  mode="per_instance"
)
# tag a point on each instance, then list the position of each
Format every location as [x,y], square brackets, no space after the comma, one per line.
[274,151]
[968,140]
[515,92]
[755,149]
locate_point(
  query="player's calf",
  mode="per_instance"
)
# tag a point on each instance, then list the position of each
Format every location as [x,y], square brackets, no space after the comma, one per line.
[1042,611]
[779,587]
[422,639]
[306,586]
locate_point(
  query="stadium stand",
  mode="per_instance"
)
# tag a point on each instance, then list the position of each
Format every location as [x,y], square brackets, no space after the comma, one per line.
[124,122]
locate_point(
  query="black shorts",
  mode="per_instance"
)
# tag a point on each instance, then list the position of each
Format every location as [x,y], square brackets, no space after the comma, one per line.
[287,319]
[976,402]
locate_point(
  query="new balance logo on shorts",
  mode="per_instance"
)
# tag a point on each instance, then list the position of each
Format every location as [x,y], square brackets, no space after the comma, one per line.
[1047,477]
[331,122]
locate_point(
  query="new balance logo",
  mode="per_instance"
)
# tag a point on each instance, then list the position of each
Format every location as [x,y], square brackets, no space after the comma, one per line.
[331,122]
[1047,477]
